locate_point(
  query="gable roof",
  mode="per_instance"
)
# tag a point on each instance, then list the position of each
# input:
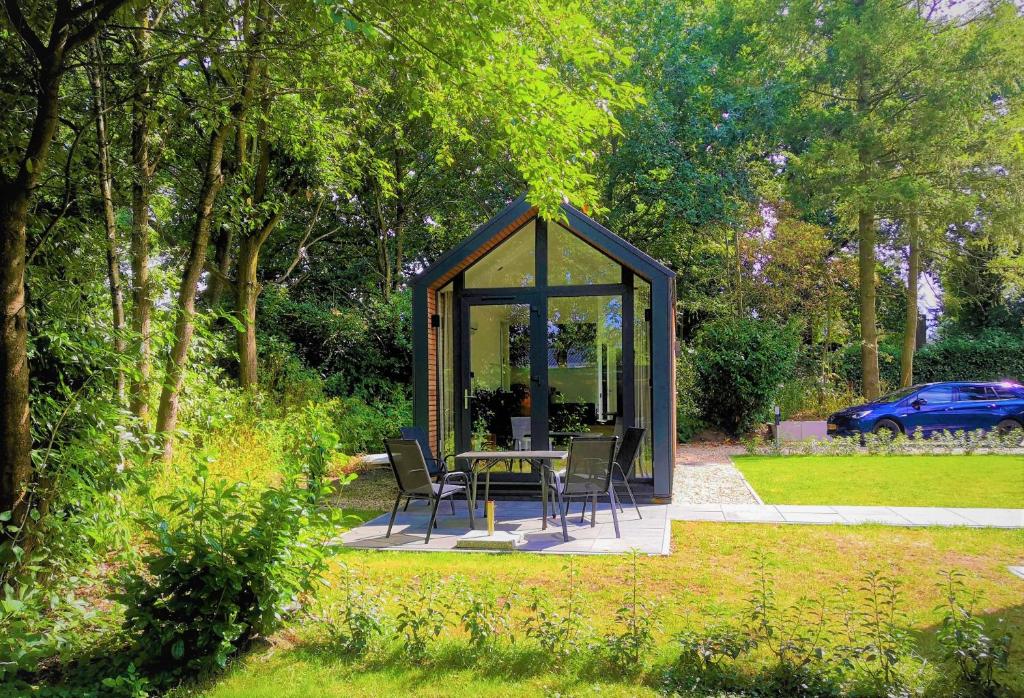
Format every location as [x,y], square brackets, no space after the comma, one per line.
[514,216]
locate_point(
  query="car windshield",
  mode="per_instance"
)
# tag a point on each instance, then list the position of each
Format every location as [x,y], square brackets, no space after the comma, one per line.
[898,395]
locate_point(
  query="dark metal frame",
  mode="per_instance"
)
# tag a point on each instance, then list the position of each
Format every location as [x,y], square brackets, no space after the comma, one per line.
[634,262]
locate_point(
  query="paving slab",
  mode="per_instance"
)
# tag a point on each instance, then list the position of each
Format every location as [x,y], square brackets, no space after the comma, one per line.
[825,514]
[649,535]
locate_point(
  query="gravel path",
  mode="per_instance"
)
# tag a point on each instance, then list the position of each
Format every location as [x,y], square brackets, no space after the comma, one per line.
[705,475]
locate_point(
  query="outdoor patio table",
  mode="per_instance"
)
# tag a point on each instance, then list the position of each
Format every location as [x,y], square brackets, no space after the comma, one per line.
[484,461]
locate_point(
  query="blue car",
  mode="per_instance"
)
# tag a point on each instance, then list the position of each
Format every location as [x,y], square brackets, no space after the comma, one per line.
[934,407]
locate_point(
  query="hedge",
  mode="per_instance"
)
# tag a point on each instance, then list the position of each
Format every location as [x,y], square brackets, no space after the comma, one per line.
[992,356]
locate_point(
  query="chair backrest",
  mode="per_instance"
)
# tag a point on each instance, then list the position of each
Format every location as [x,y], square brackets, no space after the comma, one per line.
[419,436]
[629,449]
[589,470]
[409,466]
[520,427]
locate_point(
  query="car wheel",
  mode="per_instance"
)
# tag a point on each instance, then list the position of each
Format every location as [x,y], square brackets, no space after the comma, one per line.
[887,425]
[1007,425]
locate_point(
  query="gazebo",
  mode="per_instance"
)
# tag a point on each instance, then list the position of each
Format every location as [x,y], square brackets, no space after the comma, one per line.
[533,331]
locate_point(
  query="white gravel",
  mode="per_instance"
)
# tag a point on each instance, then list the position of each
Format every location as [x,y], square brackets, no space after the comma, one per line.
[705,475]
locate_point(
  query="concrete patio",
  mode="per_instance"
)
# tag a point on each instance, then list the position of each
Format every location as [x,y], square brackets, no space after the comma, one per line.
[649,535]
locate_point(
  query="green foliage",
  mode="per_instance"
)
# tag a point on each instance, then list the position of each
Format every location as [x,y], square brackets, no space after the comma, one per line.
[990,356]
[359,619]
[688,415]
[977,652]
[422,616]
[741,364]
[487,616]
[557,625]
[227,565]
[636,622]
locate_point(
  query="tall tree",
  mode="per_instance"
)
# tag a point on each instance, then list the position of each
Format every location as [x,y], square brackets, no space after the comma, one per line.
[97,81]
[50,35]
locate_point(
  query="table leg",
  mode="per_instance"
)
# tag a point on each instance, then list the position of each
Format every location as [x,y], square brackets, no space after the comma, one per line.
[543,495]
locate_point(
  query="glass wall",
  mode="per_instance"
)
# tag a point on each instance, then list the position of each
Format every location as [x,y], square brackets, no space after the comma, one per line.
[584,361]
[573,262]
[642,371]
[510,264]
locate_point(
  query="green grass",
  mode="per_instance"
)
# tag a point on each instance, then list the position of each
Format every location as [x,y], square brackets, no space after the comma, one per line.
[709,574]
[995,481]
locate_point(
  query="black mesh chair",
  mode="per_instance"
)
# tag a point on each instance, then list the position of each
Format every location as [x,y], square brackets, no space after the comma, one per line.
[587,475]
[414,482]
[437,467]
[625,464]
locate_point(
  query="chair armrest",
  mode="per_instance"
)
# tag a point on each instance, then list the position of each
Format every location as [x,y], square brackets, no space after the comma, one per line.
[456,474]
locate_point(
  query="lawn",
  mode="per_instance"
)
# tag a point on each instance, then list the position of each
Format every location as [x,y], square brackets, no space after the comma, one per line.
[709,575]
[995,481]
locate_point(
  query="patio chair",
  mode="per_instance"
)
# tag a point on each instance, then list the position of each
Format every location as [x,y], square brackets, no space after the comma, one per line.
[625,464]
[521,433]
[437,467]
[414,482]
[587,475]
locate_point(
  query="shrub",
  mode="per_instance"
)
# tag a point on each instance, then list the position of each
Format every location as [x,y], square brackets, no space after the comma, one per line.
[636,622]
[558,628]
[226,566]
[422,616]
[360,619]
[486,616]
[965,641]
[688,418]
[740,364]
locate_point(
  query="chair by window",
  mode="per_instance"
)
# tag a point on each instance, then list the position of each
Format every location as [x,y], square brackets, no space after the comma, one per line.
[414,482]
[588,475]
[521,433]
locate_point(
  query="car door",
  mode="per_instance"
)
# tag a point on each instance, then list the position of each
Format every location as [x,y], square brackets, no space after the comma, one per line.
[975,408]
[929,410]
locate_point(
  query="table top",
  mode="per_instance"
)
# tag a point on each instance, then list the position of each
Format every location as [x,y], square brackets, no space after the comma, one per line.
[505,455]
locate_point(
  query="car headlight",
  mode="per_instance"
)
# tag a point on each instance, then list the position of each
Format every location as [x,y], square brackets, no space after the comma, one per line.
[861,414]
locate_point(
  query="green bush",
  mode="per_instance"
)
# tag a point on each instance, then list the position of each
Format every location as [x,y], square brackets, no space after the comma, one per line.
[741,363]
[226,566]
[992,355]
[688,417]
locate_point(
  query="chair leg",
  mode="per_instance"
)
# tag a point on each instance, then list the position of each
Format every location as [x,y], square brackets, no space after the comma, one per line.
[613,500]
[433,519]
[394,513]
[406,507]
[471,506]
[451,500]
[583,511]
[629,491]
[563,511]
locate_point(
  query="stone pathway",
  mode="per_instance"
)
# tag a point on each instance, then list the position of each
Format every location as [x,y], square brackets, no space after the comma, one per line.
[823,514]
[705,475]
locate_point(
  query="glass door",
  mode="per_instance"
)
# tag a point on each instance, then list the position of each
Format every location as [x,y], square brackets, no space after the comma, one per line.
[584,366]
[496,381]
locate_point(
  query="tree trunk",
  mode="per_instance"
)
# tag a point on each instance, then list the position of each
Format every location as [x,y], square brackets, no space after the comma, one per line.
[247,292]
[222,264]
[910,326]
[213,180]
[142,166]
[15,427]
[109,222]
[868,323]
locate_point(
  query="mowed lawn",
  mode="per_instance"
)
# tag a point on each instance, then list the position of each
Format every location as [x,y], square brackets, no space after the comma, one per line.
[992,481]
[708,576]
